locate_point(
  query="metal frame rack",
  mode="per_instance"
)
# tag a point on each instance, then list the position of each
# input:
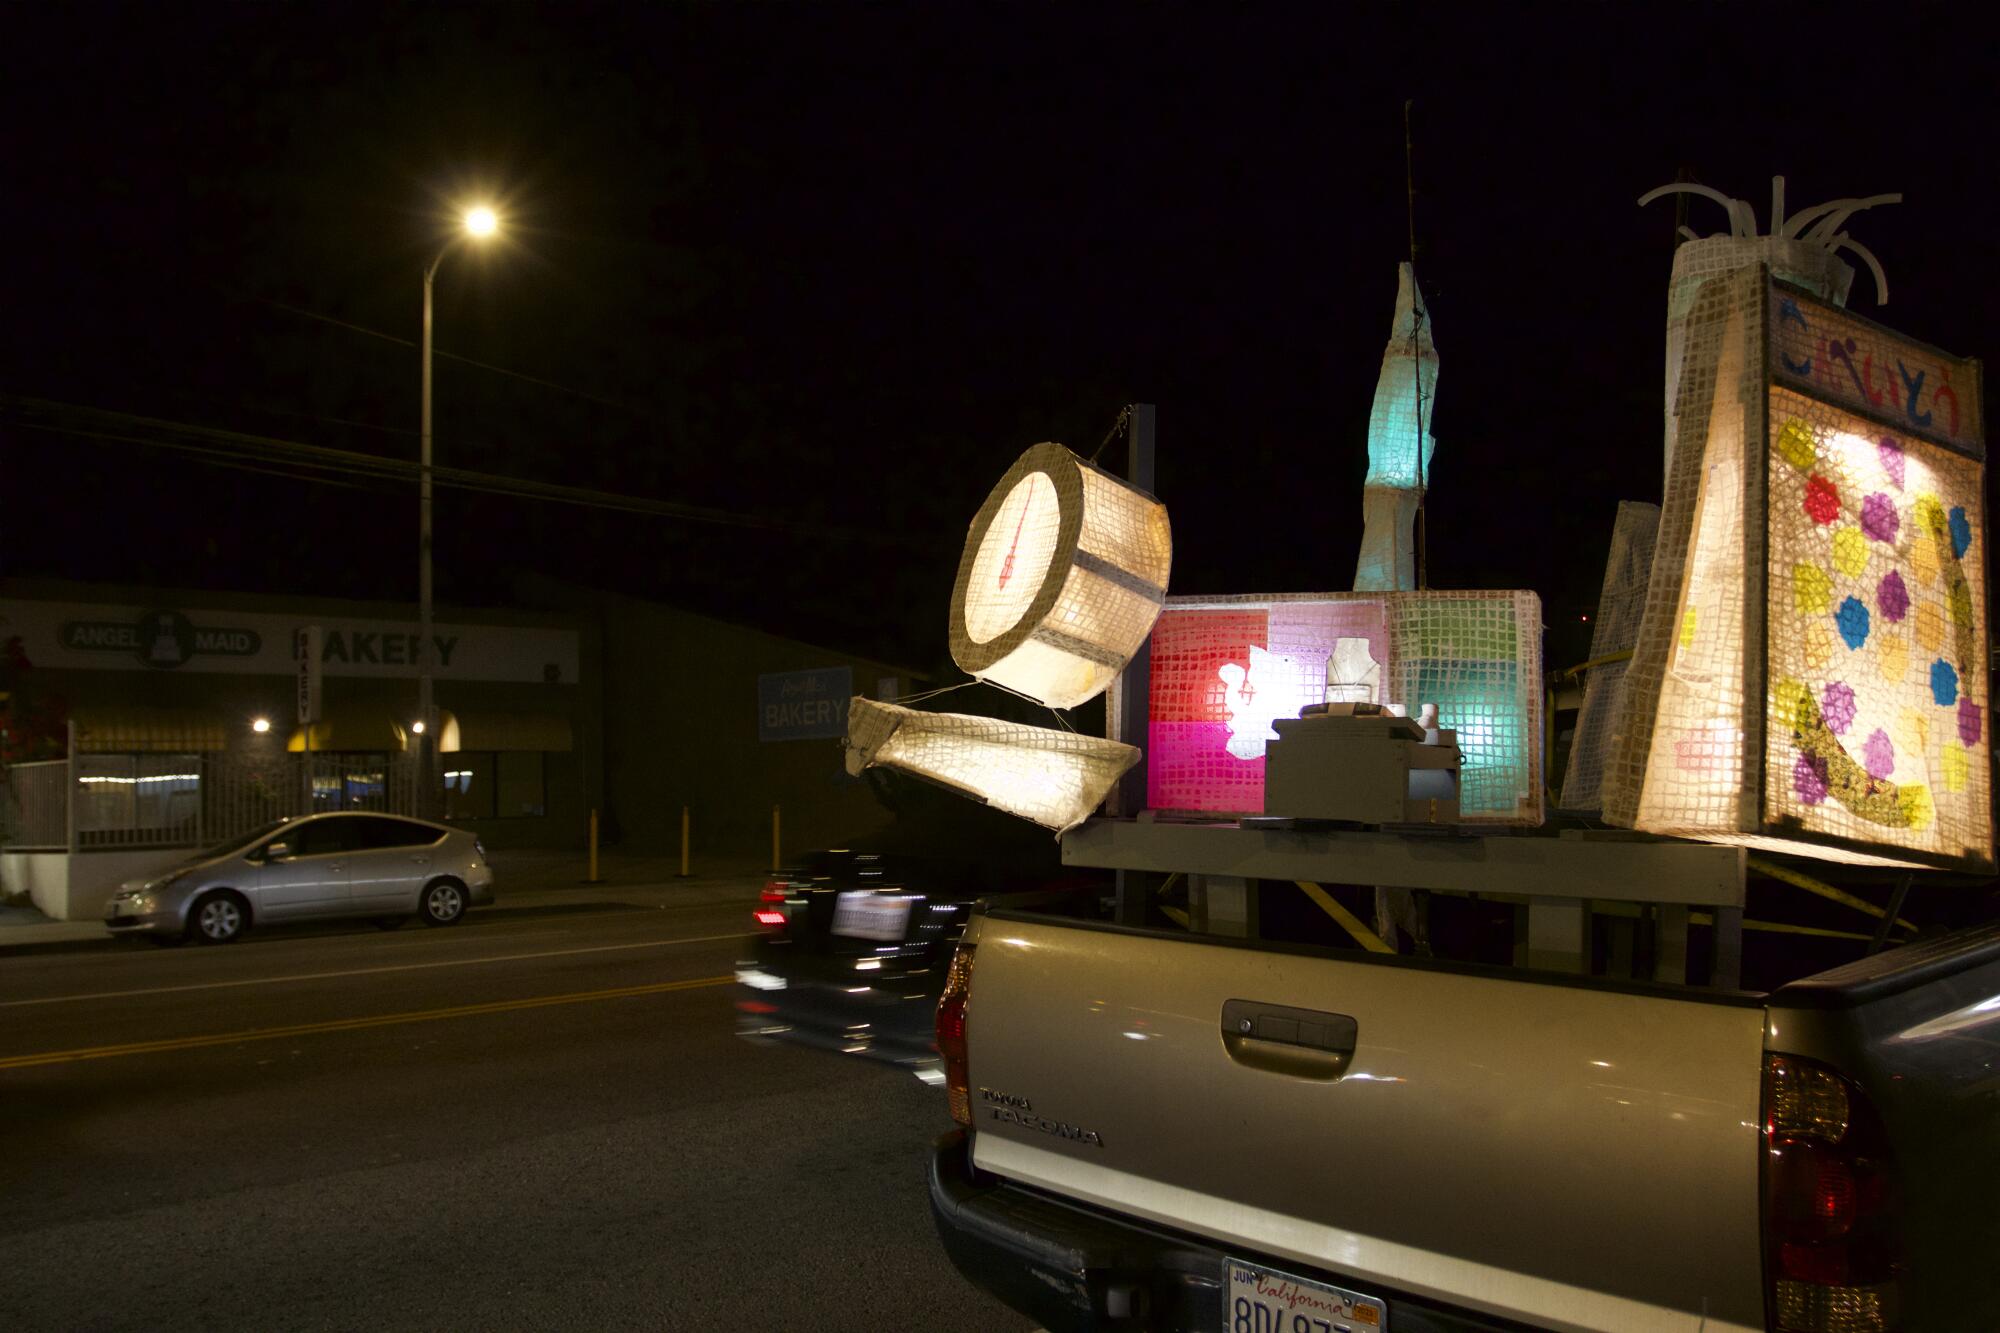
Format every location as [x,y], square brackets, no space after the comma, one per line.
[1555,880]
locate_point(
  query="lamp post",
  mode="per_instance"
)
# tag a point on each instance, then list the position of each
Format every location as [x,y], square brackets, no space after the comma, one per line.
[478,223]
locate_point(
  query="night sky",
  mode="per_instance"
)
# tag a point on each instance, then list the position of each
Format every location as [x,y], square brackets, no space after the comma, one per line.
[838,265]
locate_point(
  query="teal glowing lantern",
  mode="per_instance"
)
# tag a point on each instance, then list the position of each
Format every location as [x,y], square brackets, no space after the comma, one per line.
[1399,445]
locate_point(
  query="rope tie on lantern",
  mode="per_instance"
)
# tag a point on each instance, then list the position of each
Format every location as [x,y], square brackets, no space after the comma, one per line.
[1117,425]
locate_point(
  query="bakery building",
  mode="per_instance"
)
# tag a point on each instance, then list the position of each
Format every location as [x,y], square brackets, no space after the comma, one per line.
[147,722]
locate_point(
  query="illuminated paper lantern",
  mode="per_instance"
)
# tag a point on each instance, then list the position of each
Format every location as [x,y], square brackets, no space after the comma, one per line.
[1478,657]
[1064,571]
[1223,668]
[1811,673]
[1056,778]
[1621,603]
[1399,445]
[1802,249]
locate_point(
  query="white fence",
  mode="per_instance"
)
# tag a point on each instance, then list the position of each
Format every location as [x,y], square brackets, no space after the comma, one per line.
[131,802]
[34,815]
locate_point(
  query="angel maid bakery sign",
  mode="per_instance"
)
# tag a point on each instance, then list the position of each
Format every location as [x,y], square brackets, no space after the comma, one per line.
[112,638]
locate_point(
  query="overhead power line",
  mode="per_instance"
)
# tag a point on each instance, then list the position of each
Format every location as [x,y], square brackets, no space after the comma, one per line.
[443,355]
[263,453]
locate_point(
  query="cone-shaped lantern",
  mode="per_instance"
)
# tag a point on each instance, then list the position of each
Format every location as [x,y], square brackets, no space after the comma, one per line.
[1399,446]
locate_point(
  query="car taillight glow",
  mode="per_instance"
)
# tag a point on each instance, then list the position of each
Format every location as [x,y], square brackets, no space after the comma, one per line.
[769,917]
[1833,1198]
[775,891]
[1833,1255]
[951,1013]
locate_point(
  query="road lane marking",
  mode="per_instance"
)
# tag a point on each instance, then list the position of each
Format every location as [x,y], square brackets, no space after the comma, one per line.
[367,971]
[494,930]
[349,1024]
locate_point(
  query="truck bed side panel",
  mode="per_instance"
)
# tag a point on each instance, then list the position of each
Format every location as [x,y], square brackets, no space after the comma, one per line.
[1559,1154]
[1918,1028]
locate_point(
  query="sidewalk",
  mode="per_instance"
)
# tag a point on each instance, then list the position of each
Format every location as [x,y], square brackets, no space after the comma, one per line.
[521,879]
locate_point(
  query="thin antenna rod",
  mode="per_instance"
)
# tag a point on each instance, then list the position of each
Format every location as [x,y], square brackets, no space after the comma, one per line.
[1416,365]
[1410,178]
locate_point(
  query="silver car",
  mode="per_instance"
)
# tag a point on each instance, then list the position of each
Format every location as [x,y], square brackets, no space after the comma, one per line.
[316,868]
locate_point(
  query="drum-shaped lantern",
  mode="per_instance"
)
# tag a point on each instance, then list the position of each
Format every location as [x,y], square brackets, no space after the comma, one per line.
[1064,571]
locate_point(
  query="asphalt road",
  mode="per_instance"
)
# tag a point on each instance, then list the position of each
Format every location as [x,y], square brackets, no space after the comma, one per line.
[540,1119]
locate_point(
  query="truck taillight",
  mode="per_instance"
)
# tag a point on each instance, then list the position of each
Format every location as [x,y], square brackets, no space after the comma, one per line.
[1833,1251]
[951,1034]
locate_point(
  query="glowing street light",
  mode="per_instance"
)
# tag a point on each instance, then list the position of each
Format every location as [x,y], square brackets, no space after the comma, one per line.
[479,223]
[261,725]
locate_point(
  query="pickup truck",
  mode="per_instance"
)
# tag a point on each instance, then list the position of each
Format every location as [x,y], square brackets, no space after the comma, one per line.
[1162,1130]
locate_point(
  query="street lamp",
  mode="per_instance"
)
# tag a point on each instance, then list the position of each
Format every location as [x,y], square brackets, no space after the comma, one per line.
[479,223]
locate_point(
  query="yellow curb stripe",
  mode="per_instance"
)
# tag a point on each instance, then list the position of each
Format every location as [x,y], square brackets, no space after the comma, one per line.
[349,1024]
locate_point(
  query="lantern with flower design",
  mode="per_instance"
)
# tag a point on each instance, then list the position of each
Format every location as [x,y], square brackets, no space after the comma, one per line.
[1811,675]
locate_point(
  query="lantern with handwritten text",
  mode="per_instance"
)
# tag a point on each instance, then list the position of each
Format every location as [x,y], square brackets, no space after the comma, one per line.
[1811,674]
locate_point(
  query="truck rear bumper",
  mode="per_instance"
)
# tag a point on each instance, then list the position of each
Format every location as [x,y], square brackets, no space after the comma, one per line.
[1073,1268]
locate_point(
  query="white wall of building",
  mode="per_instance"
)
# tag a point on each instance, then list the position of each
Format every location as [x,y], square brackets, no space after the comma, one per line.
[66,887]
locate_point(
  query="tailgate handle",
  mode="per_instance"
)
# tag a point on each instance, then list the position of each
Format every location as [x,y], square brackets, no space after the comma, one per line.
[1301,1043]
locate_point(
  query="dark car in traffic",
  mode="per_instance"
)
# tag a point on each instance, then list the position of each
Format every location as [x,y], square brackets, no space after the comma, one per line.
[853,944]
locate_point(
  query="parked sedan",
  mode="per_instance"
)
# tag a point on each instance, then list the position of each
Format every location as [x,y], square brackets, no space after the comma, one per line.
[318,868]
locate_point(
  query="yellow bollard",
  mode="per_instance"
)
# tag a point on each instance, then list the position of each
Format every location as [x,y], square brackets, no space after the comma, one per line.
[593,848]
[775,862]
[684,842]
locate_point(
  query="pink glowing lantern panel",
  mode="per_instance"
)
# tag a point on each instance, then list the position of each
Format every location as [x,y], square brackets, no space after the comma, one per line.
[1223,669]
[1222,672]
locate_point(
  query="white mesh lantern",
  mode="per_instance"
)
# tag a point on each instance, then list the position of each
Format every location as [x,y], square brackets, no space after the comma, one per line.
[1064,572]
[1224,668]
[1055,778]
[1811,671]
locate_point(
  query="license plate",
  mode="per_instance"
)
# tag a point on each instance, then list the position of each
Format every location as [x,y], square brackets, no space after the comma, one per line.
[1263,1301]
[871,916]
